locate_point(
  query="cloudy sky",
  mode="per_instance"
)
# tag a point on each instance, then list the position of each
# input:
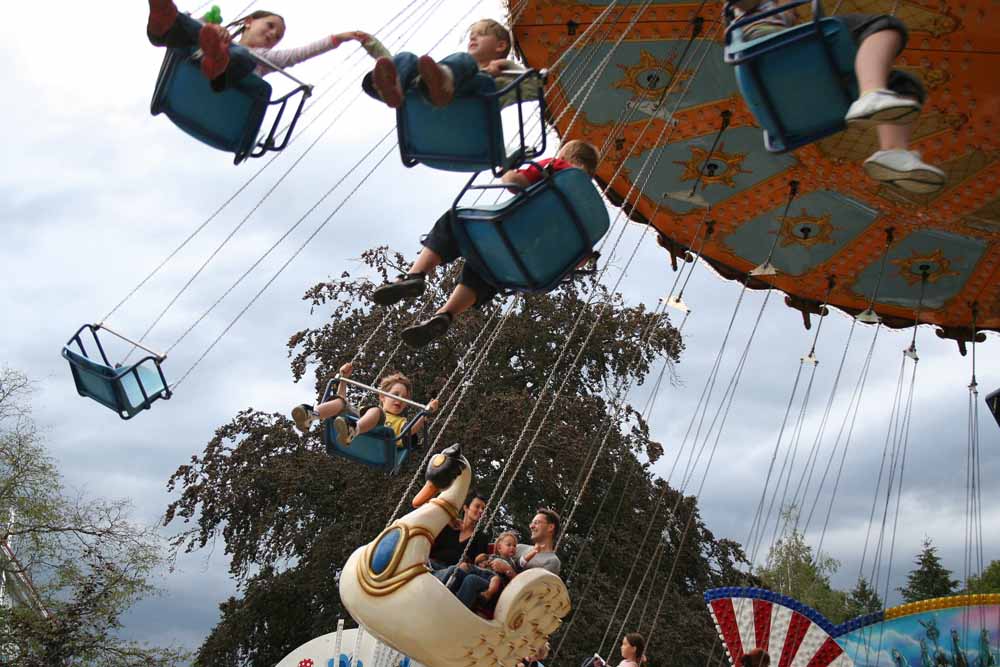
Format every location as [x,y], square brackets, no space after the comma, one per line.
[95,192]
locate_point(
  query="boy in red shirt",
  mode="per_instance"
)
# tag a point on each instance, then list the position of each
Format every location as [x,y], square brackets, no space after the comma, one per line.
[441,247]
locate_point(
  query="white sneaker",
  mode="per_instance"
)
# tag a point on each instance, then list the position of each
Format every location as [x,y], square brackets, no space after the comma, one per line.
[905,170]
[345,434]
[303,416]
[882,107]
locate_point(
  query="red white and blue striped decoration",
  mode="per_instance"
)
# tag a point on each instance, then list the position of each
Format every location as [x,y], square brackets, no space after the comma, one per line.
[793,634]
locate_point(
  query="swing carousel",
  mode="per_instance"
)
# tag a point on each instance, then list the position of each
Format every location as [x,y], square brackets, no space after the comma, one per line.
[715,170]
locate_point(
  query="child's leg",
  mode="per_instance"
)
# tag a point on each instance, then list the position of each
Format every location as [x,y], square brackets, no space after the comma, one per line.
[170,28]
[440,247]
[496,582]
[880,40]
[370,419]
[390,78]
[462,298]
[876,54]
[241,65]
[331,408]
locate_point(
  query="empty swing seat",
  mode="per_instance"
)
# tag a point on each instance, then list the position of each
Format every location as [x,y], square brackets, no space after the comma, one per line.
[229,120]
[993,403]
[377,448]
[467,135]
[798,83]
[534,240]
[128,390]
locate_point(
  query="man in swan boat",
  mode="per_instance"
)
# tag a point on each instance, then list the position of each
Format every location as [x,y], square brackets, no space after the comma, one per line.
[540,553]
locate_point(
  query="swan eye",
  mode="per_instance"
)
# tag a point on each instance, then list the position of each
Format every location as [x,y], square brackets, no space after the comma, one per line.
[385,548]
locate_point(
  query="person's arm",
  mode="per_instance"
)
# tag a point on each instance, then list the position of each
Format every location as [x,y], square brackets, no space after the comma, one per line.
[285,58]
[345,371]
[432,407]
[516,178]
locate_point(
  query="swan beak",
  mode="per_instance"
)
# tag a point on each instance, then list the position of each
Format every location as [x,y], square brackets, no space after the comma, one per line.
[426,493]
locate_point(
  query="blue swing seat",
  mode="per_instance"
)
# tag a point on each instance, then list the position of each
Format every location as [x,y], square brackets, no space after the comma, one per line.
[128,390]
[467,135]
[534,240]
[229,120]
[993,403]
[799,82]
[378,448]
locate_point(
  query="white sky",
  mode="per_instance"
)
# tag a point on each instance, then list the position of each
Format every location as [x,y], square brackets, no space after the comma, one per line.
[95,192]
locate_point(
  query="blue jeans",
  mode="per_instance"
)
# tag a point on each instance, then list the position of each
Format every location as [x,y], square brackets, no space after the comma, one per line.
[464,69]
[466,585]
[183,34]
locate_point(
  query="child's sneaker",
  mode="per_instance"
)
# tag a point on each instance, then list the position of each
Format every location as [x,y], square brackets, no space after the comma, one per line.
[882,107]
[906,170]
[215,52]
[439,85]
[162,15]
[419,335]
[304,416]
[385,79]
[406,287]
[345,433]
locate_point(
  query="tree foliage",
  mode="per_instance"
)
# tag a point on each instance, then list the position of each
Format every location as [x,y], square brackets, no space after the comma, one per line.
[929,579]
[793,570]
[289,515]
[80,563]
[863,599]
[987,581]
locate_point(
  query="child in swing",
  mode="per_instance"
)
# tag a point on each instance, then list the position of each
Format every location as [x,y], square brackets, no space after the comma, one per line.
[463,73]
[505,549]
[225,63]
[440,247]
[890,99]
[389,412]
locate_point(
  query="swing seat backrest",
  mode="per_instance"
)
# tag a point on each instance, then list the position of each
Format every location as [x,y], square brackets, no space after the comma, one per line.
[465,136]
[798,83]
[993,403]
[229,120]
[128,390]
[531,242]
[376,448]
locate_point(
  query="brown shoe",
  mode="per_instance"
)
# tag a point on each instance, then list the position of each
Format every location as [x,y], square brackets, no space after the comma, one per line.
[437,80]
[386,83]
[215,52]
[162,15]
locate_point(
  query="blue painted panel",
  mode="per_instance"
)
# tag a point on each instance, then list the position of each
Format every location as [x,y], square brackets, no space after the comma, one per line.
[638,73]
[818,225]
[950,258]
[741,166]
[384,550]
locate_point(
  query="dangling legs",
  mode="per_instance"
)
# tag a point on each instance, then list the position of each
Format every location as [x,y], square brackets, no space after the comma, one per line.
[442,80]
[390,78]
[890,100]
[373,417]
[305,415]
[471,291]
[439,248]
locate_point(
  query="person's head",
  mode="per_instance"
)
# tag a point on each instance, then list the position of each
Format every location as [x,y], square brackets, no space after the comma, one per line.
[545,526]
[397,384]
[756,658]
[633,646]
[261,29]
[474,506]
[505,544]
[488,40]
[580,154]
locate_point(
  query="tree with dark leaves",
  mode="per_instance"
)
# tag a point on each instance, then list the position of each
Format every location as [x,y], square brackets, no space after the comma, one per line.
[289,515]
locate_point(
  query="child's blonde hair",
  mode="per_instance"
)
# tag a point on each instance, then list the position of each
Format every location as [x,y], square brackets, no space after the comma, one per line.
[396,378]
[497,29]
[582,154]
[504,534]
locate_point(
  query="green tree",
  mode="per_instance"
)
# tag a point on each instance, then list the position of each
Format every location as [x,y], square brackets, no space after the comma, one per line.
[79,563]
[930,579]
[863,599]
[792,569]
[988,581]
[290,515]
